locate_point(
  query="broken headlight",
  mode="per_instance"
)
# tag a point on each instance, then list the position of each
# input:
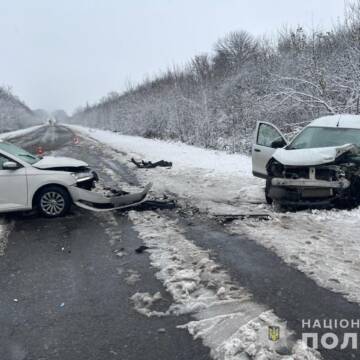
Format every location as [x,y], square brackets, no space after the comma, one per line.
[83,176]
[275,169]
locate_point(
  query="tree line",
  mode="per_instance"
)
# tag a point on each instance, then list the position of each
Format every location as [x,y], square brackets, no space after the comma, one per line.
[14,114]
[216,99]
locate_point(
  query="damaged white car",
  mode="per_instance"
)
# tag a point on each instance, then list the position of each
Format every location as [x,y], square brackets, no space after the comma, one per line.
[320,167]
[52,184]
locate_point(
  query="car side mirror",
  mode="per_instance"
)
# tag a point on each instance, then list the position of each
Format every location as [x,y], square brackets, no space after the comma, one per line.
[278,143]
[10,165]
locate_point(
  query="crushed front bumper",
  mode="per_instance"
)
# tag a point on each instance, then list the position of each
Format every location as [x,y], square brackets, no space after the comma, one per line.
[311,183]
[95,201]
[307,192]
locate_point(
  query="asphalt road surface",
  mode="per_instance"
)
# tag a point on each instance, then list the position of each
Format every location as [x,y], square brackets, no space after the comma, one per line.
[62,292]
[71,298]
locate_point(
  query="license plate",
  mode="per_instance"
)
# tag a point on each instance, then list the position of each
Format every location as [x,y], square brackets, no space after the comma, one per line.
[316,193]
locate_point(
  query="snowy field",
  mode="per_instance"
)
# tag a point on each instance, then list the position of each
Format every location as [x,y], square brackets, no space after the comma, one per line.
[322,244]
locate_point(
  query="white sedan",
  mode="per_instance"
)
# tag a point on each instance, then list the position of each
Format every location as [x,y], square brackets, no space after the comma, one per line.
[52,184]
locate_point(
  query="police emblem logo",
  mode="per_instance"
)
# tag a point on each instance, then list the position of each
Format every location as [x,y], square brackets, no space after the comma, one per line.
[274,333]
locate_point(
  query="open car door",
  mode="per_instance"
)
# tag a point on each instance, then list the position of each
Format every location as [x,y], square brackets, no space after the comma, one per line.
[268,138]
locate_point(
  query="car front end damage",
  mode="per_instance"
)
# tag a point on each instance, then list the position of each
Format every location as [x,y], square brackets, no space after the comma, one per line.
[106,199]
[84,187]
[87,195]
[336,183]
[85,178]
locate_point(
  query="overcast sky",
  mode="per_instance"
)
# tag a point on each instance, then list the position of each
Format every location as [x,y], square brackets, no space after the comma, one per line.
[61,54]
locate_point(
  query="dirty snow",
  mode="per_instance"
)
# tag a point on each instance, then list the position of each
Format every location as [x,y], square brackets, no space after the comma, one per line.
[132,277]
[227,319]
[143,301]
[322,244]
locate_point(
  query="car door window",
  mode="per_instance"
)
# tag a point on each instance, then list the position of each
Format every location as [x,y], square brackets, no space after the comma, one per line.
[268,136]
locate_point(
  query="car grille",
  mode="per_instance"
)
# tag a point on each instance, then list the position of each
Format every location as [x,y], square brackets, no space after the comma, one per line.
[325,174]
[296,173]
[304,173]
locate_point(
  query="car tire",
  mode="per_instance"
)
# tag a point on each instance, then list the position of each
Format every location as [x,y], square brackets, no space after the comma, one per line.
[53,201]
[269,200]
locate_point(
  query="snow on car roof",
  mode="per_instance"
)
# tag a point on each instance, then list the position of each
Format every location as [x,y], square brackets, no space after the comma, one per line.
[341,121]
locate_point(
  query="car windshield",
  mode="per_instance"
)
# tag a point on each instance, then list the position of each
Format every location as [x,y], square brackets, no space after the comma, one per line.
[19,152]
[316,137]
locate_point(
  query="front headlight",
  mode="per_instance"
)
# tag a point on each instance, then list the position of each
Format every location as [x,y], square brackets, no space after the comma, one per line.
[83,176]
[275,169]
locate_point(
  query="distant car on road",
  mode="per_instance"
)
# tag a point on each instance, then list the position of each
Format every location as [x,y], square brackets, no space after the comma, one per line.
[52,122]
[319,167]
[52,184]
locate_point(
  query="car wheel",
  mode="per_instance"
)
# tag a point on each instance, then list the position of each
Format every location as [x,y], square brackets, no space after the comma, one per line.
[53,201]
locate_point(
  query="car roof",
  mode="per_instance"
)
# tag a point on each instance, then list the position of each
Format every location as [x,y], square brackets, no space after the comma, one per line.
[346,121]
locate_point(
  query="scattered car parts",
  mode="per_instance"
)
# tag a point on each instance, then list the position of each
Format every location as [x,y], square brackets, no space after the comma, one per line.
[150,165]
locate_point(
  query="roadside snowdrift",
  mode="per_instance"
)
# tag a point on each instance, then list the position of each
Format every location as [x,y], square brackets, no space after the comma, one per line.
[182,155]
[15,133]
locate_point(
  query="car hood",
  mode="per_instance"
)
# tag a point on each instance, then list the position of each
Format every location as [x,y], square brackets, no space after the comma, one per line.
[48,162]
[314,156]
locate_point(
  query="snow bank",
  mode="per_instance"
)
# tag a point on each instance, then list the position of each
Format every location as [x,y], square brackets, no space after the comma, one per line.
[182,155]
[12,134]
